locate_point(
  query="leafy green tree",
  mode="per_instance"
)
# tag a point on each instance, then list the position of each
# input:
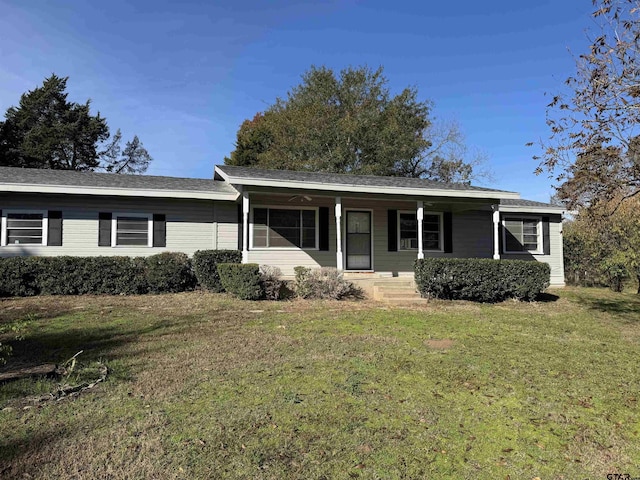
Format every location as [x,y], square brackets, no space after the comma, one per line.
[253,140]
[594,143]
[625,236]
[351,123]
[604,248]
[594,147]
[46,130]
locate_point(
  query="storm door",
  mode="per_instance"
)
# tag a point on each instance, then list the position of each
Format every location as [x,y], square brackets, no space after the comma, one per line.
[358,240]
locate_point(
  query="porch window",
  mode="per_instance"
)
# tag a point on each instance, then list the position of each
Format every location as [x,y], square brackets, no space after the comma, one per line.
[285,228]
[431,231]
[24,228]
[522,235]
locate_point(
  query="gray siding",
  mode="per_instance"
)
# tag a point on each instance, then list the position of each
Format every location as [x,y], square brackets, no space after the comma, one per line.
[201,224]
[226,217]
[190,223]
[556,257]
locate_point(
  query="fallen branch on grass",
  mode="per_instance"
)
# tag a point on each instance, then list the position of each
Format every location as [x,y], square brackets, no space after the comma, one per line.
[65,391]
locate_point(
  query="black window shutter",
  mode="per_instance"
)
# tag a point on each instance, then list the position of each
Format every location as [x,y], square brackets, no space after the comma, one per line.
[240,227]
[323,228]
[159,230]
[392,230]
[104,229]
[545,236]
[54,233]
[447,225]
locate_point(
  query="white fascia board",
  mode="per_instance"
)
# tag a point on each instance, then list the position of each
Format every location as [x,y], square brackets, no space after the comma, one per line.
[529,209]
[224,176]
[338,187]
[117,192]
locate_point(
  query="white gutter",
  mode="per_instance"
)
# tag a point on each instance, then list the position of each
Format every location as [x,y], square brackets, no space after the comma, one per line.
[340,187]
[118,192]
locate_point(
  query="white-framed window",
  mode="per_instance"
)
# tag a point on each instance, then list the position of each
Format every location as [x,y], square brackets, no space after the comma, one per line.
[281,227]
[522,234]
[132,230]
[432,239]
[24,227]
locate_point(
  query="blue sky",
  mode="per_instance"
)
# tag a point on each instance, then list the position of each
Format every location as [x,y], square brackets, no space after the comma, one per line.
[183,75]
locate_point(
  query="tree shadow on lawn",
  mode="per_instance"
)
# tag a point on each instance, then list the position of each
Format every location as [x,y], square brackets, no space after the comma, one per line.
[622,306]
[96,342]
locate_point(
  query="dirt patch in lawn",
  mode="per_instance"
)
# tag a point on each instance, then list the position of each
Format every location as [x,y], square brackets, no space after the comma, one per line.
[440,344]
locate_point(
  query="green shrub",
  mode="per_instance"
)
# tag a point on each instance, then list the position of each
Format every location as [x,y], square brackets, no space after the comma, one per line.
[205,266]
[116,275]
[91,275]
[17,277]
[25,276]
[169,272]
[60,275]
[481,280]
[323,283]
[241,280]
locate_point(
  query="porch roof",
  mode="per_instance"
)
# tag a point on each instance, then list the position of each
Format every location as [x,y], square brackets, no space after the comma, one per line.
[529,206]
[354,183]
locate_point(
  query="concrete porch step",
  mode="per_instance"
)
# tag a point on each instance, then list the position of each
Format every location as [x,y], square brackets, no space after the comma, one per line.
[400,296]
[388,289]
[397,290]
[394,284]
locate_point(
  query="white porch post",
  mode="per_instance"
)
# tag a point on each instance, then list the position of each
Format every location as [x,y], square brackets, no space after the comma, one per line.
[420,217]
[496,231]
[339,261]
[245,227]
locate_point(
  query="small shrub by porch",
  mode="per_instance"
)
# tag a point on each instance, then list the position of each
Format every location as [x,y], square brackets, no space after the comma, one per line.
[242,280]
[325,283]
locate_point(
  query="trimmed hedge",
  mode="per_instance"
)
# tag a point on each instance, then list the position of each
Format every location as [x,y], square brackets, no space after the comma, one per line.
[481,280]
[26,276]
[18,277]
[205,266]
[241,280]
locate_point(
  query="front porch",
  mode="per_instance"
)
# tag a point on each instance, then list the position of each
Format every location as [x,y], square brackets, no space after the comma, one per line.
[381,234]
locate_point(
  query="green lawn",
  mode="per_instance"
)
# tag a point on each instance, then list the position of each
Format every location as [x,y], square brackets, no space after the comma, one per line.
[202,386]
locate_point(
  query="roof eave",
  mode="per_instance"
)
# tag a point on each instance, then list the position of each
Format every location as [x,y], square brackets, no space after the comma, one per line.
[531,209]
[118,192]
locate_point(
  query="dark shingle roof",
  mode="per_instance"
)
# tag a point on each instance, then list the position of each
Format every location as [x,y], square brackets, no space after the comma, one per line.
[36,176]
[521,202]
[343,179]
